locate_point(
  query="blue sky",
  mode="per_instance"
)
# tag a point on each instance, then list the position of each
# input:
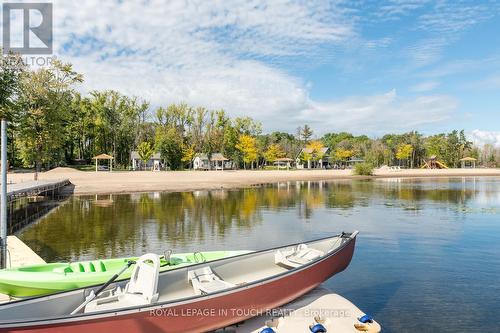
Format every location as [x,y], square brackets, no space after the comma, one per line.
[361,66]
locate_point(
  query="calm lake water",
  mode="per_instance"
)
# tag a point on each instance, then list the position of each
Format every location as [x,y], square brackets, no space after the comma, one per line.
[427,257]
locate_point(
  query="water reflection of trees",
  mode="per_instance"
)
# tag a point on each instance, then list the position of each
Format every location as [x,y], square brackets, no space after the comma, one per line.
[115,225]
[418,191]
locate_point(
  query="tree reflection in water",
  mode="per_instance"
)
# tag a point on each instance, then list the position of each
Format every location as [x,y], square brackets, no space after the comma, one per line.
[126,224]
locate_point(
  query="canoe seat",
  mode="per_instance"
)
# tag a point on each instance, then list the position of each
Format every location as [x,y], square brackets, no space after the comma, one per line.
[205,281]
[297,257]
[142,289]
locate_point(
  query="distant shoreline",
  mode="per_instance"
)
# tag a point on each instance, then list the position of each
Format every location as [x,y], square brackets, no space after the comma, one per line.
[179,181]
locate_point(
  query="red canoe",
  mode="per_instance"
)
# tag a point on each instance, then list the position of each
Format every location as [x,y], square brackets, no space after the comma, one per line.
[198,298]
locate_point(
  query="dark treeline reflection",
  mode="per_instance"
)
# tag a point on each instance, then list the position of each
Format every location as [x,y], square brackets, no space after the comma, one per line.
[124,224]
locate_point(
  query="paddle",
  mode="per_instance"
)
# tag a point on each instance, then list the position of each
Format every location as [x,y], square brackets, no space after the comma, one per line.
[92,296]
[167,256]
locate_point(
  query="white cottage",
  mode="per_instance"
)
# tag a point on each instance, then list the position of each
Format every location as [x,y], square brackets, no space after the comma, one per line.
[153,163]
[323,163]
[216,162]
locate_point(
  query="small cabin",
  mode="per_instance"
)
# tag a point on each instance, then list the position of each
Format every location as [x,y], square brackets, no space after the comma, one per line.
[153,163]
[216,162]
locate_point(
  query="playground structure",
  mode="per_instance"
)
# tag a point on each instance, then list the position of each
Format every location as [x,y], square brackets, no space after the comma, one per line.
[433,163]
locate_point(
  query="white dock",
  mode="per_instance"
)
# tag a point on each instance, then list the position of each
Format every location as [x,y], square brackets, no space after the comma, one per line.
[34,188]
[320,306]
[20,254]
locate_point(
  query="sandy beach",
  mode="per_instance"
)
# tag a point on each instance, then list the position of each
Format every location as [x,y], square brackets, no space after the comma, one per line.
[145,181]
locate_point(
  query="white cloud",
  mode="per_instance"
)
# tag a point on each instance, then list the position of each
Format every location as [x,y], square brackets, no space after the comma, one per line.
[379,113]
[450,17]
[491,82]
[223,54]
[463,66]
[395,9]
[441,24]
[216,54]
[425,86]
[480,138]
[426,51]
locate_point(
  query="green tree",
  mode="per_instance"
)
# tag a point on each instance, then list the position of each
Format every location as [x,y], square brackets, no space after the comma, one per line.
[212,138]
[290,145]
[273,152]
[12,69]
[197,129]
[464,146]
[231,138]
[404,152]
[306,134]
[376,153]
[435,145]
[169,144]
[449,148]
[332,140]
[44,101]
[247,146]
[363,169]
[313,152]
[145,128]
[415,139]
[116,122]
[145,151]
[343,154]
[188,154]
[178,116]
[247,126]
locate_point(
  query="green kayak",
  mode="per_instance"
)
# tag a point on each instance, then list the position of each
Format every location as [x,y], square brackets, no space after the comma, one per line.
[50,278]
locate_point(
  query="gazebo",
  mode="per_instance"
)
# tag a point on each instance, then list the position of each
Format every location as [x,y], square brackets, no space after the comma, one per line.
[283,162]
[103,157]
[468,162]
[216,158]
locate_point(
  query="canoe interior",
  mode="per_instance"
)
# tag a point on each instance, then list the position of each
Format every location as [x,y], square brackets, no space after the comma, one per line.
[50,278]
[172,285]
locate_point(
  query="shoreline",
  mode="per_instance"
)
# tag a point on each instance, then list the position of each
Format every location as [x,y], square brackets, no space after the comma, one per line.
[86,182]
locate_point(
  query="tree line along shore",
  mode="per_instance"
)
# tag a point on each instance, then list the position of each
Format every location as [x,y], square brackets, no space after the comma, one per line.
[52,124]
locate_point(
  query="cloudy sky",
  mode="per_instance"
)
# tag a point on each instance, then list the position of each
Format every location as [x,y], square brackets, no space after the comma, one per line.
[365,67]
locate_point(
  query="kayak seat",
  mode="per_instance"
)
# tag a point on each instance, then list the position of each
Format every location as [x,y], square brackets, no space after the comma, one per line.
[297,257]
[142,289]
[64,270]
[205,281]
